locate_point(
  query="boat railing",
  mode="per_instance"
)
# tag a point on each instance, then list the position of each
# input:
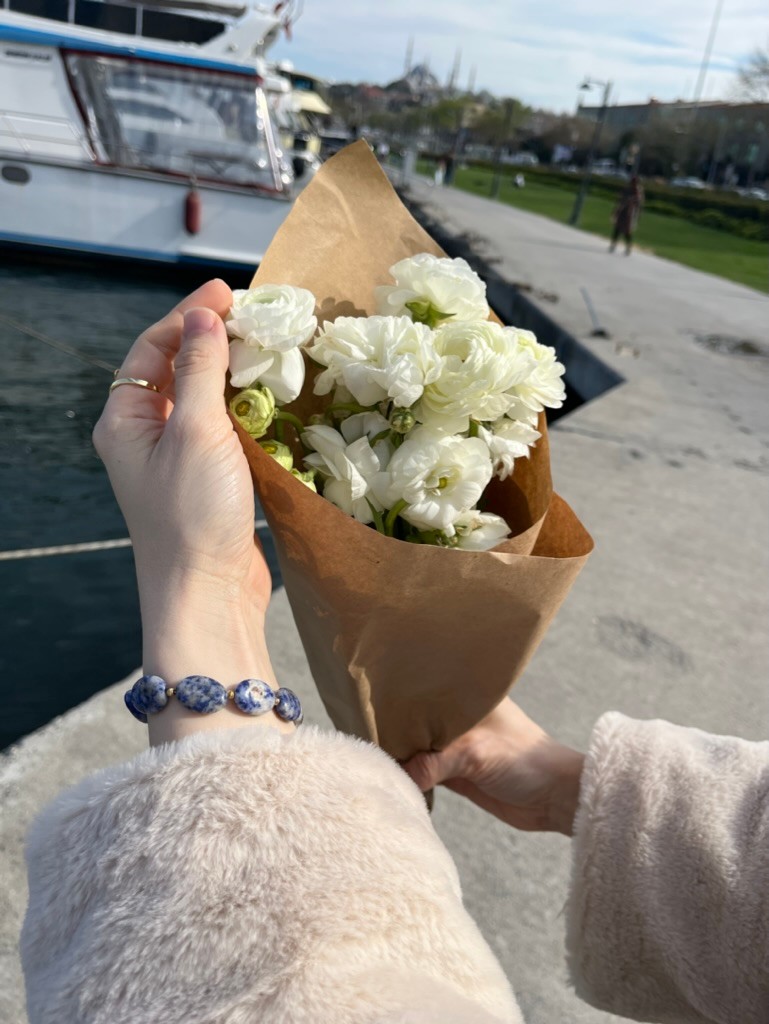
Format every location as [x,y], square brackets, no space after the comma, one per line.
[38,134]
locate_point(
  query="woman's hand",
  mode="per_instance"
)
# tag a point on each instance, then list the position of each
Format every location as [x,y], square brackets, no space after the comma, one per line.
[511,768]
[184,486]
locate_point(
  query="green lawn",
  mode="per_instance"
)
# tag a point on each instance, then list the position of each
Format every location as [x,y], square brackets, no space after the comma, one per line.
[717,252]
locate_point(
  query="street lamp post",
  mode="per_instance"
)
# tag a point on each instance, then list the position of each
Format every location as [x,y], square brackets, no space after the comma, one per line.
[579,201]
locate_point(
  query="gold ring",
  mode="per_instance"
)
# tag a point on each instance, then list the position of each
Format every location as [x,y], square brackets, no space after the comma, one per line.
[133,380]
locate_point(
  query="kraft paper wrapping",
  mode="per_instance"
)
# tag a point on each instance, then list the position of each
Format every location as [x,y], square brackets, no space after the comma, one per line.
[409,645]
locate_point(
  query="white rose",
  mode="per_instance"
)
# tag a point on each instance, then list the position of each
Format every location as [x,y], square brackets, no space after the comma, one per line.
[481,364]
[431,288]
[480,531]
[438,476]
[376,358]
[543,388]
[508,440]
[346,469]
[281,372]
[277,317]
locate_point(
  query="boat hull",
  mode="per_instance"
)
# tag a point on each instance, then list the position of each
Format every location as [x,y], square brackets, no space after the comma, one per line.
[91,210]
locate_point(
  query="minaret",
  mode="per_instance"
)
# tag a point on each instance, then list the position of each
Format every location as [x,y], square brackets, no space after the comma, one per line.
[409,56]
[471,80]
[454,76]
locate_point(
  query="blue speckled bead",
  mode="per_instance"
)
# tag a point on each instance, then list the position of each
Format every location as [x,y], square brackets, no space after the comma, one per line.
[254,697]
[149,694]
[201,693]
[130,705]
[288,706]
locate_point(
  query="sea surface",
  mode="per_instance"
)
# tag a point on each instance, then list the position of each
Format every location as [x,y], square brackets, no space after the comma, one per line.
[70,623]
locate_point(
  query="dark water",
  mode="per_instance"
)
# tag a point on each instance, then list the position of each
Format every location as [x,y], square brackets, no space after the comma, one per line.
[70,623]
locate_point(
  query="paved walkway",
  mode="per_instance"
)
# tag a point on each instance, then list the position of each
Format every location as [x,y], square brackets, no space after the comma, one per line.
[669,472]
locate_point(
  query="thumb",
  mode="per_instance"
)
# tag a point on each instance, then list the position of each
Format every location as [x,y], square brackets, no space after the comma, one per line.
[201,364]
[428,769]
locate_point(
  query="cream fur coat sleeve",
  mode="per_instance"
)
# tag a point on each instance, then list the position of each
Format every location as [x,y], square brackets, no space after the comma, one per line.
[669,907]
[247,878]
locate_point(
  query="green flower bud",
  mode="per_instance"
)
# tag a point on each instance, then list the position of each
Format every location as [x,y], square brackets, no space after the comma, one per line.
[254,409]
[308,478]
[402,421]
[280,452]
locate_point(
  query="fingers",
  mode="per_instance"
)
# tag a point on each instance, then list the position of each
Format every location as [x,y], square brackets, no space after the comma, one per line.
[428,770]
[152,354]
[201,365]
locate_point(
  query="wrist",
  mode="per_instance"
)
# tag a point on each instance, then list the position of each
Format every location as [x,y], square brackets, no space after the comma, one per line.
[566,768]
[194,627]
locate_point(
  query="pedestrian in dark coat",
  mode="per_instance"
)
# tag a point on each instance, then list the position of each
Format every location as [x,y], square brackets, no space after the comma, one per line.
[626,213]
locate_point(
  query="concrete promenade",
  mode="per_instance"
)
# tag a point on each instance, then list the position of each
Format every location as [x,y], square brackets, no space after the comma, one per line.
[668,470]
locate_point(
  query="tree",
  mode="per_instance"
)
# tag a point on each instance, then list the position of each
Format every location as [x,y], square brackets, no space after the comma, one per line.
[753,77]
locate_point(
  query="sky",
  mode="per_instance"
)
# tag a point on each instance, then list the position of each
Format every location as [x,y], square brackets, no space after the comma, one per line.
[538,52]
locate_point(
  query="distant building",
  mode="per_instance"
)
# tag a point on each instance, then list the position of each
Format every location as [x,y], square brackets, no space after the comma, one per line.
[718,132]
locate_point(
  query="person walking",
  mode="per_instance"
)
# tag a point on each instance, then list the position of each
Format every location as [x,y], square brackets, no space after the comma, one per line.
[625,214]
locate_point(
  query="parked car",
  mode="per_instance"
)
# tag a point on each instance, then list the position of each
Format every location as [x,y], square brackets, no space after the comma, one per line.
[697,183]
[521,159]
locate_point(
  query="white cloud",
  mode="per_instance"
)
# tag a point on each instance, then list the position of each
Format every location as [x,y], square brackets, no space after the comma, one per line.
[535,52]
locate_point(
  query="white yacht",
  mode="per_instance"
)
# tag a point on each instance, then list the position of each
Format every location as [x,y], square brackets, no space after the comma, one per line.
[141,130]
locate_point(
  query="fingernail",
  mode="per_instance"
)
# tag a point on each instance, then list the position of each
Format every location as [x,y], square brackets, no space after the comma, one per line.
[198,321]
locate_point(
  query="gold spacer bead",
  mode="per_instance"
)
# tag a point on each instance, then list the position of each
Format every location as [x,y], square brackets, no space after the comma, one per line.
[230,695]
[170,691]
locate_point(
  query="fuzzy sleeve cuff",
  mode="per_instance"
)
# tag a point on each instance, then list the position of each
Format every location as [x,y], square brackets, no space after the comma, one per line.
[668,916]
[248,876]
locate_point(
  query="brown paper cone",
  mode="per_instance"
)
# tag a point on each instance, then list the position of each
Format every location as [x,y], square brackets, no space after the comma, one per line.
[409,645]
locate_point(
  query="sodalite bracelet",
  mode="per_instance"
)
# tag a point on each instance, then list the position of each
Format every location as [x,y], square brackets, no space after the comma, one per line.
[151,694]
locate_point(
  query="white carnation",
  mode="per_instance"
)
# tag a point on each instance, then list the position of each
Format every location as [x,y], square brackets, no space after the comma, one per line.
[277,317]
[508,440]
[439,476]
[376,358]
[346,469]
[481,364]
[430,288]
[543,388]
[480,531]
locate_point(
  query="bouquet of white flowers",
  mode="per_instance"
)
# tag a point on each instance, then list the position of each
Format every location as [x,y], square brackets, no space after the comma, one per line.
[428,402]
[373,373]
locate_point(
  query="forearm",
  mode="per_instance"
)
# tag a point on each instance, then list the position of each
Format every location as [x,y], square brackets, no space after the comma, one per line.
[189,627]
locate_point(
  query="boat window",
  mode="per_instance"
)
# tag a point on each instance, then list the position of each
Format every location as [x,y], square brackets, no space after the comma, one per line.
[175,119]
[55,10]
[110,17]
[179,27]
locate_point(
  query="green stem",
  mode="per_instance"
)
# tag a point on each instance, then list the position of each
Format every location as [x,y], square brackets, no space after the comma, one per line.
[378,522]
[392,515]
[381,436]
[288,417]
[347,407]
[473,430]
[279,431]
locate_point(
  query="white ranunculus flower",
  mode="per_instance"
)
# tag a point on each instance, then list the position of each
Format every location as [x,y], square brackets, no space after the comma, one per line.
[438,475]
[376,358]
[543,388]
[346,469]
[480,531]
[281,372]
[431,288]
[277,317]
[371,425]
[508,440]
[481,364]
